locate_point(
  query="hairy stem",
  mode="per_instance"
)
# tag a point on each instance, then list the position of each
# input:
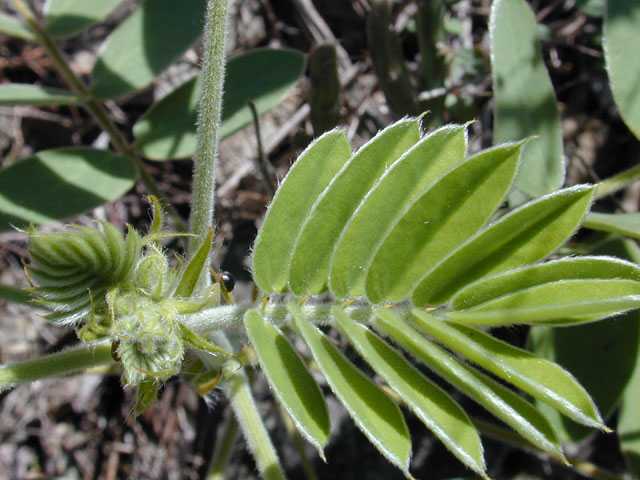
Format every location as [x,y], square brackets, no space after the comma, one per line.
[206,156]
[229,317]
[97,111]
[237,389]
[56,364]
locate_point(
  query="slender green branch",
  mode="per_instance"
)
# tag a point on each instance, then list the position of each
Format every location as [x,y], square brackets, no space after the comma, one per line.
[206,156]
[56,364]
[224,448]
[617,182]
[237,389]
[229,317]
[96,110]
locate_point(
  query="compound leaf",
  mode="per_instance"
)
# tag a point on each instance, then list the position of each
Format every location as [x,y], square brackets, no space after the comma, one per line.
[371,409]
[437,410]
[446,214]
[524,236]
[539,378]
[312,251]
[406,178]
[293,201]
[502,402]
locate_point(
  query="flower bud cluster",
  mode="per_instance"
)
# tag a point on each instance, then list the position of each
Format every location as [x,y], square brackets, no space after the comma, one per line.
[116,287]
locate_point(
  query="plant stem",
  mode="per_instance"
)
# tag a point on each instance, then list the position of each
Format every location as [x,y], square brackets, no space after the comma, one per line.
[617,182]
[206,156]
[224,447]
[236,385]
[237,389]
[56,364]
[229,317]
[97,111]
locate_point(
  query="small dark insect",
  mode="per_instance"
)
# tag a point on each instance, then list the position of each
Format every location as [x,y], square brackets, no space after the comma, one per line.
[227,281]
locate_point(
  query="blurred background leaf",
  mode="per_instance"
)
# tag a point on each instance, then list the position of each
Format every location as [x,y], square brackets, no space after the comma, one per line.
[57,184]
[621,39]
[68,17]
[148,41]
[525,103]
[263,76]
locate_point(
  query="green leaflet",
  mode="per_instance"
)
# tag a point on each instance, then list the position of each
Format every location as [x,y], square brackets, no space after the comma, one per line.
[146,43]
[623,223]
[312,252]
[525,103]
[571,268]
[406,178]
[146,395]
[564,302]
[437,410]
[56,184]
[446,214]
[539,378]
[502,402]
[293,201]
[67,17]
[194,268]
[25,94]
[371,409]
[290,380]
[621,34]
[524,236]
